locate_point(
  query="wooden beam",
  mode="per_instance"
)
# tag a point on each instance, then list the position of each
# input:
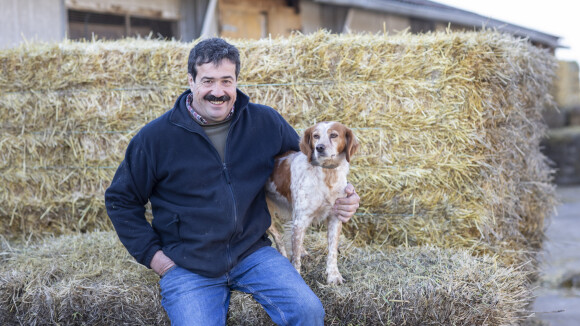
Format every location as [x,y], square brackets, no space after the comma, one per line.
[209,22]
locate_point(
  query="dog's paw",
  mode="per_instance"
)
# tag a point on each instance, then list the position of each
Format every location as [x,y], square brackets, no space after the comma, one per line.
[334,278]
[282,251]
[297,264]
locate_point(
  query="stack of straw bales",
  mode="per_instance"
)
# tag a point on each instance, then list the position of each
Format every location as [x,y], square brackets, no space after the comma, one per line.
[450,126]
[91,280]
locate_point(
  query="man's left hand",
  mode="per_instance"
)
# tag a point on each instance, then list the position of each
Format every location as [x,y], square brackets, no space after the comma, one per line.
[344,208]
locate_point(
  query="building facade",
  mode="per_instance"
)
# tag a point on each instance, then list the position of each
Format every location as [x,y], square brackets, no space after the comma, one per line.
[186,20]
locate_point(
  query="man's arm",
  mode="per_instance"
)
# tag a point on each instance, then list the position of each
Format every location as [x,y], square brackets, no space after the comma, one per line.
[125,201]
[290,138]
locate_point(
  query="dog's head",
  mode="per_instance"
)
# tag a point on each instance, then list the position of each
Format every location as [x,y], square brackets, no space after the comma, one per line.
[326,144]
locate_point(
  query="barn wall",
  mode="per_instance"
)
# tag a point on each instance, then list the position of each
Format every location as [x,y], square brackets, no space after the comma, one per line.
[360,20]
[166,9]
[255,19]
[31,20]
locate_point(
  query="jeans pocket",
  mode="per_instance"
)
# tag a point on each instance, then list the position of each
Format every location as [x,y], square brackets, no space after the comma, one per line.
[168,271]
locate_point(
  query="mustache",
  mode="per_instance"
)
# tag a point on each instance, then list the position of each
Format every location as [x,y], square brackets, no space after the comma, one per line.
[212,98]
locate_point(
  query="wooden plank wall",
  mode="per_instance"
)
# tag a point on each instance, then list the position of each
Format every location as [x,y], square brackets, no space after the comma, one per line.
[254,19]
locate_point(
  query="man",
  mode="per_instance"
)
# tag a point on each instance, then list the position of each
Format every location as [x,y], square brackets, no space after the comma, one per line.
[203,165]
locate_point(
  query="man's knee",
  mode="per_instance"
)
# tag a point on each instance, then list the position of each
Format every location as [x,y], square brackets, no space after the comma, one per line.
[316,309]
[310,311]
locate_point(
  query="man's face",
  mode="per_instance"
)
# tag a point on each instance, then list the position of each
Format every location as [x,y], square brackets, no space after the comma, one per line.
[214,90]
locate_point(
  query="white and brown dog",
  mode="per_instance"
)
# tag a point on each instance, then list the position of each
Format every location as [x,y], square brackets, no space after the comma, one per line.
[304,186]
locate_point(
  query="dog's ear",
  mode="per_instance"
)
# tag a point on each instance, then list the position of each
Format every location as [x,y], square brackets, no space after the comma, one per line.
[306,143]
[351,144]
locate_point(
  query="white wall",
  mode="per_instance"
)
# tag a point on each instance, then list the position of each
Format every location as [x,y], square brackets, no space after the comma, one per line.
[32,20]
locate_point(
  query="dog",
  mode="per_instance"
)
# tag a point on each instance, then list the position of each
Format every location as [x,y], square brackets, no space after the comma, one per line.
[304,186]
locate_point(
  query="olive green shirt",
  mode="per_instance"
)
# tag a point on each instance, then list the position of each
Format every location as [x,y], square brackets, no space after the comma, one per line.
[218,133]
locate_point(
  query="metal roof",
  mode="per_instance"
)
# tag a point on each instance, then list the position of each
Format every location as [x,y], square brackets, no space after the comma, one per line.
[442,13]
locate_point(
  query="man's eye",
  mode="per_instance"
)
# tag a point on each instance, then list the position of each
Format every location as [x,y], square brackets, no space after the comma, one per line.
[227,82]
[207,82]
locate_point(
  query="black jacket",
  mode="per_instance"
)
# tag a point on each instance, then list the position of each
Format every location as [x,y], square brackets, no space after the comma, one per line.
[207,215]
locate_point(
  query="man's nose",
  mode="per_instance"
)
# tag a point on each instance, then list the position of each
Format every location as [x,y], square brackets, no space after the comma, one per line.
[217,90]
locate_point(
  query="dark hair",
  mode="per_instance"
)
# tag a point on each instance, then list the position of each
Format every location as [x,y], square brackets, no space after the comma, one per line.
[212,50]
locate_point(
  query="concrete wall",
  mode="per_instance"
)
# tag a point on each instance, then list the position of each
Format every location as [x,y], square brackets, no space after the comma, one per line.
[360,20]
[31,20]
[193,15]
[46,20]
[310,16]
[343,19]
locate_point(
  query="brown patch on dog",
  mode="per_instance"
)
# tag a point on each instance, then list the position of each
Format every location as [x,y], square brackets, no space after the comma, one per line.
[330,178]
[306,146]
[348,142]
[341,140]
[281,175]
[351,144]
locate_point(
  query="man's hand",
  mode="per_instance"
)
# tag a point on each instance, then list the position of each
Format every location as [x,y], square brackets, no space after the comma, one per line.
[161,263]
[344,208]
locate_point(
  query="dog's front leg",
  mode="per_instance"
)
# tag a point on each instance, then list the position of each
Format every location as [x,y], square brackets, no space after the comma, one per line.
[277,240]
[298,232]
[332,274]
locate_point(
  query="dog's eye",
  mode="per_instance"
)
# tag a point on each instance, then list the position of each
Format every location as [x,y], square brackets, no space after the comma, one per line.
[333,135]
[316,136]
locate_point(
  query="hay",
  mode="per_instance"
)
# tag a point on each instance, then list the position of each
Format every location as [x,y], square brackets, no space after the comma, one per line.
[76,280]
[450,126]
[90,279]
[449,123]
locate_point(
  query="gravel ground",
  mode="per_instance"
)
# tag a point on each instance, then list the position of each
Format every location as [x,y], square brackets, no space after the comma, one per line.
[558,294]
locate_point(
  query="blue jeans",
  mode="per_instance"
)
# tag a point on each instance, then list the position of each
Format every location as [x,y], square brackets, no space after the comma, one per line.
[192,299]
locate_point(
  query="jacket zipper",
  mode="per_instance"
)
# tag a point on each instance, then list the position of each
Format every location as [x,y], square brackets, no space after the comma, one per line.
[234,209]
[228,180]
[226,173]
[235,213]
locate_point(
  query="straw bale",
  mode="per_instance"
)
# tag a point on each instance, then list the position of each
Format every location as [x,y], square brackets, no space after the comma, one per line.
[76,280]
[450,126]
[456,161]
[94,64]
[90,279]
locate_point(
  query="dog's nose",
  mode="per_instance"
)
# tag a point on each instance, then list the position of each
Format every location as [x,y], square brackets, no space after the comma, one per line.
[320,148]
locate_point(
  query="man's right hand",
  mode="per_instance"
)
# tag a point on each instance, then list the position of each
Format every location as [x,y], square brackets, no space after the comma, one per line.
[161,263]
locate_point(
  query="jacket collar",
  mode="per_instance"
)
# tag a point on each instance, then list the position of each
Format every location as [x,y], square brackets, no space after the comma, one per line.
[179,115]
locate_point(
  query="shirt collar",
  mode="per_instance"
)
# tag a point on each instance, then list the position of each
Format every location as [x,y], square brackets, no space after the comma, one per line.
[198,118]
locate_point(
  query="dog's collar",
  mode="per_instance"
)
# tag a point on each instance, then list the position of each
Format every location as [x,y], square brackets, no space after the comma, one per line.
[330,167]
